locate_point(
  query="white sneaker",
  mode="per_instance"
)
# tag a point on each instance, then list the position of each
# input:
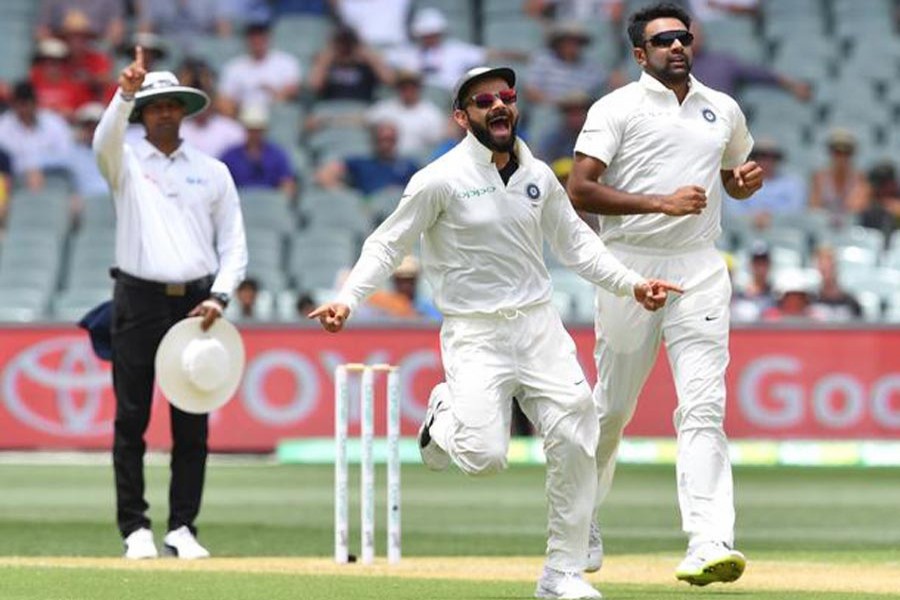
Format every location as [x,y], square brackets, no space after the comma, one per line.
[182,543]
[565,585]
[139,544]
[595,549]
[710,563]
[434,457]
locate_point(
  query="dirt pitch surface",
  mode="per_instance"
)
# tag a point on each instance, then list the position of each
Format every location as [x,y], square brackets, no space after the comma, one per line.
[635,569]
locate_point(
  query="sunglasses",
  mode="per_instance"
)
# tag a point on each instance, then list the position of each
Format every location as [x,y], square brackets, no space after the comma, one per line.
[665,39]
[486,100]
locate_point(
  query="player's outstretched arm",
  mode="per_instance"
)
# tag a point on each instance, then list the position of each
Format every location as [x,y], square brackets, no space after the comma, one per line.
[331,315]
[653,293]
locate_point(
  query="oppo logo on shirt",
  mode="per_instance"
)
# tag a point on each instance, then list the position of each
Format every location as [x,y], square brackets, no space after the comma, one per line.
[476,193]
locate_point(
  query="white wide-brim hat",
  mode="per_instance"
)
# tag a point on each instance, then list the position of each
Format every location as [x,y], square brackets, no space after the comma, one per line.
[199,371]
[159,84]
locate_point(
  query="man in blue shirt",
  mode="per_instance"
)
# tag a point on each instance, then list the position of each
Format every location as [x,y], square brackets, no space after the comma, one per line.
[259,162]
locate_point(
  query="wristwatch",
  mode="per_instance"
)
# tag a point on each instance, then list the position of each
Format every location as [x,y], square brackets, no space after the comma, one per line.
[220,298]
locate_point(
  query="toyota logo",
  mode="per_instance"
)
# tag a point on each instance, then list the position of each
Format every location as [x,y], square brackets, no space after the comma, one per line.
[58,387]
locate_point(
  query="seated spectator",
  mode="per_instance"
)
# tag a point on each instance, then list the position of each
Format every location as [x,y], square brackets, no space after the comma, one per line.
[402,300]
[245,296]
[37,140]
[711,10]
[86,63]
[575,10]
[754,299]
[561,69]
[87,181]
[56,90]
[182,21]
[883,212]
[5,186]
[794,302]
[305,304]
[782,193]
[441,59]
[727,73]
[840,188]
[347,70]
[259,162]
[560,142]
[261,76]
[104,16]
[380,23]
[420,124]
[832,303]
[384,167]
[209,131]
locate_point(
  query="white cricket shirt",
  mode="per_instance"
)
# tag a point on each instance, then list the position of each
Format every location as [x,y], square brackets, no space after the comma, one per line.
[482,241]
[653,145]
[178,217]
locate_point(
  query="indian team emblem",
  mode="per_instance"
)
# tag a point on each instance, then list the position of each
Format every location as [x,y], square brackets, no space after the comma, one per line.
[709,115]
[533,191]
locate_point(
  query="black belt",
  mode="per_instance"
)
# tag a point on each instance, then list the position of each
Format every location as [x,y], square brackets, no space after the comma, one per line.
[200,285]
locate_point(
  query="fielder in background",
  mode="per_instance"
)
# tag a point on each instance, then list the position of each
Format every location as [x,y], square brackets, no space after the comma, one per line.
[483,211]
[180,250]
[652,159]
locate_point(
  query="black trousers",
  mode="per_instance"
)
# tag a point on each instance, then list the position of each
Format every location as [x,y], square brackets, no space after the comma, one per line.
[142,313]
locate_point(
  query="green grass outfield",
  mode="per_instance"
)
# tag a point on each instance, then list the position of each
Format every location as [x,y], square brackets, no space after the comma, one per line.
[808,533]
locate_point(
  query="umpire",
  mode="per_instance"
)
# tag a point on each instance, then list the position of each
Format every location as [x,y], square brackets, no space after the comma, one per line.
[180,251]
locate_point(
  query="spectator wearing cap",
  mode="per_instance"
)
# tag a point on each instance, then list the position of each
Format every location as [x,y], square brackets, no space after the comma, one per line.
[782,193]
[441,59]
[420,123]
[754,298]
[262,75]
[347,69]
[55,88]
[380,23]
[85,62]
[383,167]
[883,212]
[259,162]
[37,140]
[559,143]
[794,297]
[87,182]
[561,69]
[402,300]
[104,16]
[727,73]
[840,188]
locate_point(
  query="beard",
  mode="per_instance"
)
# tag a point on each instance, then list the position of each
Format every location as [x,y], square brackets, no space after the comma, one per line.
[484,135]
[669,74]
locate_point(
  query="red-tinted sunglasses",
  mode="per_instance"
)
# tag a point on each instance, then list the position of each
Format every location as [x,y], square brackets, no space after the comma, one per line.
[486,99]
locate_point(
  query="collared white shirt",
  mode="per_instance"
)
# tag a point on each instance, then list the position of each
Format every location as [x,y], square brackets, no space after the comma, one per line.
[419,127]
[653,145]
[249,81]
[215,136]
[178,217]
[440,65]
[46,145]
[482,241]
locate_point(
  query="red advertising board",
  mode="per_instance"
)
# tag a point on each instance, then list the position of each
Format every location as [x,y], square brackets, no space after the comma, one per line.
[831,384]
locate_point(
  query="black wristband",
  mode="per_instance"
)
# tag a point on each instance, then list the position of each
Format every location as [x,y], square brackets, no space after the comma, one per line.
[220,298]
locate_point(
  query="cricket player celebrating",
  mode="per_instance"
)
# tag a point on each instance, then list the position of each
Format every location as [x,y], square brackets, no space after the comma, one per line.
[483,211]
[652,158]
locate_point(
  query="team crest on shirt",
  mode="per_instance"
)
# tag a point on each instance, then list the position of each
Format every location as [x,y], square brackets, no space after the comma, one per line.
[709,115]
[533,191]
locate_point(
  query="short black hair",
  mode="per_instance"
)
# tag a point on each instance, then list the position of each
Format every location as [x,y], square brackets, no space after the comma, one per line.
[637,23]
[24,91]
[249,284]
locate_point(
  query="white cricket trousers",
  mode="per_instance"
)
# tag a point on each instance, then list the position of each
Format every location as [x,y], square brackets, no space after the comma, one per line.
[694,327]
[528,354]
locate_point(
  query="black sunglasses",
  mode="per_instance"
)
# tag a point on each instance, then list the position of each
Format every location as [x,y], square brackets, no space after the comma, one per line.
[486,99]
[664,39]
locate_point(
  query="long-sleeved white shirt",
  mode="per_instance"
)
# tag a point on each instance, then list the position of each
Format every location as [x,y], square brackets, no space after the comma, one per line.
[482,241]
[178,217]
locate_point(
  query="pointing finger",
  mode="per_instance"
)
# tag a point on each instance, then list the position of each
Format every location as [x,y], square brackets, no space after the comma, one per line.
[139,56]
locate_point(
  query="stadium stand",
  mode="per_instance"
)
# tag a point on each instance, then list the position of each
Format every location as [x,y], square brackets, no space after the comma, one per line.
[54,263]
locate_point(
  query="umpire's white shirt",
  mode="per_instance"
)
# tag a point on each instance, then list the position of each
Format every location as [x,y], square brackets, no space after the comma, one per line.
[178,217]
[482,241]
[653,145]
